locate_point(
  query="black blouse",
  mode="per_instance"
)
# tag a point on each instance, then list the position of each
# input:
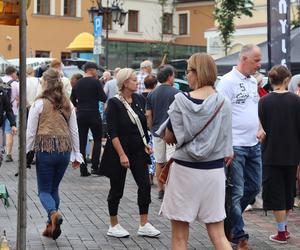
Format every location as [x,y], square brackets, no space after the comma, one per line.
[119,124]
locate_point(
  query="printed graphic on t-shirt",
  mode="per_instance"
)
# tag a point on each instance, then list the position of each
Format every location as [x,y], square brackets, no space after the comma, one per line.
[243,92]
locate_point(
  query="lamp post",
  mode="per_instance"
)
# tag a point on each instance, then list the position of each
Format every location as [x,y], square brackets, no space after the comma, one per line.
[118,15]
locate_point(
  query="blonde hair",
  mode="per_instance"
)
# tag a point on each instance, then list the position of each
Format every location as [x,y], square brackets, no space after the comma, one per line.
[122,76]
[205,68]
[29,71]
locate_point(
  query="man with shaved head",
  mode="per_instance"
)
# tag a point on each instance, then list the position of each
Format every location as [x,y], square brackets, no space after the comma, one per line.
[240,87]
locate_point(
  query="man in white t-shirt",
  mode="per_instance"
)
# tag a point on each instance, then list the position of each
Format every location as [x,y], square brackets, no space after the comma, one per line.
[240,87]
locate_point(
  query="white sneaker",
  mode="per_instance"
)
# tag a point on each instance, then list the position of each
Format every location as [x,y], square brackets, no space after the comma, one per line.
[248,208]
[148,230]
[117,231]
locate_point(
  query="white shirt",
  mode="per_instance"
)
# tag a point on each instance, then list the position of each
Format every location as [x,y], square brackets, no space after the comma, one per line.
[243,95]
[32,126]
[32,84]
[66,84]
[111,89]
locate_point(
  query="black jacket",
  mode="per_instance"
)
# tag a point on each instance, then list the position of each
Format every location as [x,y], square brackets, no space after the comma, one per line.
[5,108]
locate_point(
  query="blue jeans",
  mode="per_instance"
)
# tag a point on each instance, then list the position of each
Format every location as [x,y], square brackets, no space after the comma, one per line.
[246,174]
[50,169]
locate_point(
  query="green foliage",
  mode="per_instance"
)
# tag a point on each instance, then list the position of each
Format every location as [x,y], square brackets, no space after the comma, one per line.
[225,13]
[296,22]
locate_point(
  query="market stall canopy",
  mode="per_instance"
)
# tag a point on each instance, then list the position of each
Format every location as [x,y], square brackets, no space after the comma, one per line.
[9,12]
[226,63]
[83,42]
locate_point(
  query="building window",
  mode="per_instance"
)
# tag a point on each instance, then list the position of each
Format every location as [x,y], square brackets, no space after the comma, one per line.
[65,55]
[43,7]
[42,53]
[183,24]
[107,20]
[70,8]
[167,23]
[133,20]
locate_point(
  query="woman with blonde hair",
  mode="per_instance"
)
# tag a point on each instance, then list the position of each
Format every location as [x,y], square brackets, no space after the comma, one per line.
[200,126]
[127,147]
[53,134]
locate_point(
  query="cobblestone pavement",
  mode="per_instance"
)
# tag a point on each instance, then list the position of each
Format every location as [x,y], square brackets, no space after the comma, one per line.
[84,208]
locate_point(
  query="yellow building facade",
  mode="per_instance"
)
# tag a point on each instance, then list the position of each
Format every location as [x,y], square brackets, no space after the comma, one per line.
[199,18]
[51,28]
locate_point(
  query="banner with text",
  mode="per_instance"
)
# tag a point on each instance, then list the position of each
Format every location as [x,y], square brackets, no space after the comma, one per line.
[279,32]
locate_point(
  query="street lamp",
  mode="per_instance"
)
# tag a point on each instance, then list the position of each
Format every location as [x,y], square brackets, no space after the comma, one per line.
[118,15]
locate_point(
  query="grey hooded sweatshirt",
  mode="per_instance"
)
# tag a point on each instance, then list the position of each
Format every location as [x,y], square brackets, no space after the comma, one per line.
[188,118]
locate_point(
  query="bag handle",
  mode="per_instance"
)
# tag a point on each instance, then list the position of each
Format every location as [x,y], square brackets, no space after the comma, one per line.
[206,124]
[133,117]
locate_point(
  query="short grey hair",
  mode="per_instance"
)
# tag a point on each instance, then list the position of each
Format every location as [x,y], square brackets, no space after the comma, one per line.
[122,76]
[247,49]
[146,64]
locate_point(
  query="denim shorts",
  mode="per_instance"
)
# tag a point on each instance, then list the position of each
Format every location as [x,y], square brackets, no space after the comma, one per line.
[7,127]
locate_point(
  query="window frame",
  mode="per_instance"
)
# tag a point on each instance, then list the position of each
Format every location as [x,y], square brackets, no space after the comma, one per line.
[47,52]
[186,24]
[41,4]
[105,15]
[167,23]
[131,27]
[67,8]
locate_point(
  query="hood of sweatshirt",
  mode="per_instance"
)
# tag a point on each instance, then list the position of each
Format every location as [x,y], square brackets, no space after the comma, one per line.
[188,118]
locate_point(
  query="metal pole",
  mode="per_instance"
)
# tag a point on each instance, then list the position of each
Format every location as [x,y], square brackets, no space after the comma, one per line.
[106,40]
[269,27]
[21,216]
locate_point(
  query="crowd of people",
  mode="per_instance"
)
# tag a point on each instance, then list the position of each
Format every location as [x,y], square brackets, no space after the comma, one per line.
[235,130]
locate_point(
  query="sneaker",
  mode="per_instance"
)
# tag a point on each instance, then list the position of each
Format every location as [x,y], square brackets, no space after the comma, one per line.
[117,231]
[161,194]
[148,230]
[8,158]
[279,238]
[248,208]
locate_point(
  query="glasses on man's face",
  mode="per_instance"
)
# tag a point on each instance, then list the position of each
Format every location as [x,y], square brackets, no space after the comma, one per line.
[189,70]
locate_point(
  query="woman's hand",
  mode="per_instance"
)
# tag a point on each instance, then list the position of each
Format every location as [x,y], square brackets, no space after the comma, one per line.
[169,137]
[228,160]
[148,149]
[75,164]
[261,135]
[124,161]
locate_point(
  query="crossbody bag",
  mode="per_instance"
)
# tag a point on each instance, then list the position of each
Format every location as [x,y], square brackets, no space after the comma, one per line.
[163,177]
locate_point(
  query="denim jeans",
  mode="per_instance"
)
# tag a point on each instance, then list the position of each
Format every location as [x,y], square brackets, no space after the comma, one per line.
[50,169]
[246,174]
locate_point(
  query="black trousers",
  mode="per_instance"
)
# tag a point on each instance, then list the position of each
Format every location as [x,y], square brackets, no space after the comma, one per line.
[90,120]
[140,174]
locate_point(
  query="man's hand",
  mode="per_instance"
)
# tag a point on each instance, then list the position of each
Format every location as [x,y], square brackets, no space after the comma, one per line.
[228,160]
[14,130]
[169,137]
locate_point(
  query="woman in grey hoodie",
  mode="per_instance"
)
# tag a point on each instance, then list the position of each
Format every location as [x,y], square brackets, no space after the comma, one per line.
[196,182]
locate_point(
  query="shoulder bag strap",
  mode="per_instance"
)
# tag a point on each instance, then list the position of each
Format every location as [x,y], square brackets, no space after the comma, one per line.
[133,117]
[206,124]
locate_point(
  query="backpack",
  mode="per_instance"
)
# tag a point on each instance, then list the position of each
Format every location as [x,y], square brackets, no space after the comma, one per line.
[6,87]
